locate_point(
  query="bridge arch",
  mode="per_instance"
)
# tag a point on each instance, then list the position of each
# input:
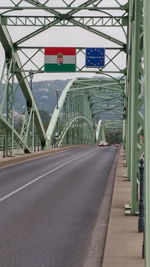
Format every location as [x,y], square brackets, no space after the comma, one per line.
[70,124]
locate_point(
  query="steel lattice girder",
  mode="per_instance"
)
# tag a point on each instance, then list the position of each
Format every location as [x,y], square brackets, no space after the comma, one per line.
[79,100]
[69,16]
[70,110]
[95,21]
[112,54]
[17,137]
[65,11]
[147,130]
[135,96]
[10,52]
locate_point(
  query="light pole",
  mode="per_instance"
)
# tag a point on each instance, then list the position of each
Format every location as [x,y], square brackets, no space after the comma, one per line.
[57,96]
[31,78]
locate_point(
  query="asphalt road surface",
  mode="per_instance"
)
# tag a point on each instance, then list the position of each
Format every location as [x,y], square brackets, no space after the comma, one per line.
[49,207]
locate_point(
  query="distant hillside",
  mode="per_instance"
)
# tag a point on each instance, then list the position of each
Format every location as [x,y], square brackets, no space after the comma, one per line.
[44,93]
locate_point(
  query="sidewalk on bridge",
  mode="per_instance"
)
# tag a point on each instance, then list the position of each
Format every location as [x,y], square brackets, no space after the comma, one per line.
[123,246]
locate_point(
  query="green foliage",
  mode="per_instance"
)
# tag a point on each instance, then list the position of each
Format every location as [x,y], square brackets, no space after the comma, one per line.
[2,129]
[45,117]
[44,93]
[18,125]
[114,137]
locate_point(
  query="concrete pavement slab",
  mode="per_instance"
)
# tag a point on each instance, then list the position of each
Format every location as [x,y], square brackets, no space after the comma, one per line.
[123,246]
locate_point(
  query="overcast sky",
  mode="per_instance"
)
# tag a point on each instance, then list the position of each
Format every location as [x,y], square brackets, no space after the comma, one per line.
[63,37]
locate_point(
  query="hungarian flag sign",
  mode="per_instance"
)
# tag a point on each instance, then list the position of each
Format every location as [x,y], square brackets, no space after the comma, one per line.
[60,59]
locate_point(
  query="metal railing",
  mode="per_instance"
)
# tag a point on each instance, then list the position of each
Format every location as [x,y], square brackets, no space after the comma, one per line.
[37,145]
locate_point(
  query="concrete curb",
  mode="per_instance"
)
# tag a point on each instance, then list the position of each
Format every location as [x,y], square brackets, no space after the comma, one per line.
[26,157]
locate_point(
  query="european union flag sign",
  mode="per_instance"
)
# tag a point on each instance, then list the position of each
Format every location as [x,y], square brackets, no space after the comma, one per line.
[95,57]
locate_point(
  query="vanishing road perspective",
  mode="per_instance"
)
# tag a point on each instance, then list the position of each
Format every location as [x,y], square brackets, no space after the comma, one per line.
[50,208]
[74,133]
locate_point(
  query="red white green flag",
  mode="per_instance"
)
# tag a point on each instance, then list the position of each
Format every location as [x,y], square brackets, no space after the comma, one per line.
[60,59]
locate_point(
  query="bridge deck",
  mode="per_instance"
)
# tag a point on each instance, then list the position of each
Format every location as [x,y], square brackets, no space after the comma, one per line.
[123,243]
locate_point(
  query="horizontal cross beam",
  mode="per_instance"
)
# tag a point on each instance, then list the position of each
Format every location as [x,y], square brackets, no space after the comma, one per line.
[93,21]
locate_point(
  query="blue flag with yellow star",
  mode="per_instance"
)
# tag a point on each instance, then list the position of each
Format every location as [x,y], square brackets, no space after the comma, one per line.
[95,57]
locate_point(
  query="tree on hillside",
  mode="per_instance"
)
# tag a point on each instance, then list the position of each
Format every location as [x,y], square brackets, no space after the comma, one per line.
[45,117]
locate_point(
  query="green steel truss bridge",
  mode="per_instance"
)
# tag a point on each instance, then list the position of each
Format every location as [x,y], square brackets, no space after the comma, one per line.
[75,119]
[117,97]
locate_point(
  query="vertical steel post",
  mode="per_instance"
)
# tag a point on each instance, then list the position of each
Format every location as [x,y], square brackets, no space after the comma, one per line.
[128,84]
[4,147]
[103,134]
[10,112]
[134,103]
[33,132]
[123,133]
[147,127]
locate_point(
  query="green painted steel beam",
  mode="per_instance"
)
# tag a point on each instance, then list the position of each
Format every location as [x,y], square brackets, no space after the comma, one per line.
[80,56]
[77,71]
[98,129]
[93,21]
[135,90]
[71,122]
[17,137]
[35,33]
[71,8]
[80,48]
[128,90]
[55,115]
[147,128]
[58,19]
[42,6]
[101,34]
[77,102]
[61,17]
[21,77]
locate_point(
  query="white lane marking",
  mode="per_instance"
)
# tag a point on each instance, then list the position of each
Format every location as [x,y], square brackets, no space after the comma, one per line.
[41,176]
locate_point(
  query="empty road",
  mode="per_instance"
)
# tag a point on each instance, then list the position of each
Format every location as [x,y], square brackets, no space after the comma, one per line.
[49,207]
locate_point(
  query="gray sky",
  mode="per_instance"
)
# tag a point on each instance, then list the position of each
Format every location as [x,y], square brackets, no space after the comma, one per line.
[65,37]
